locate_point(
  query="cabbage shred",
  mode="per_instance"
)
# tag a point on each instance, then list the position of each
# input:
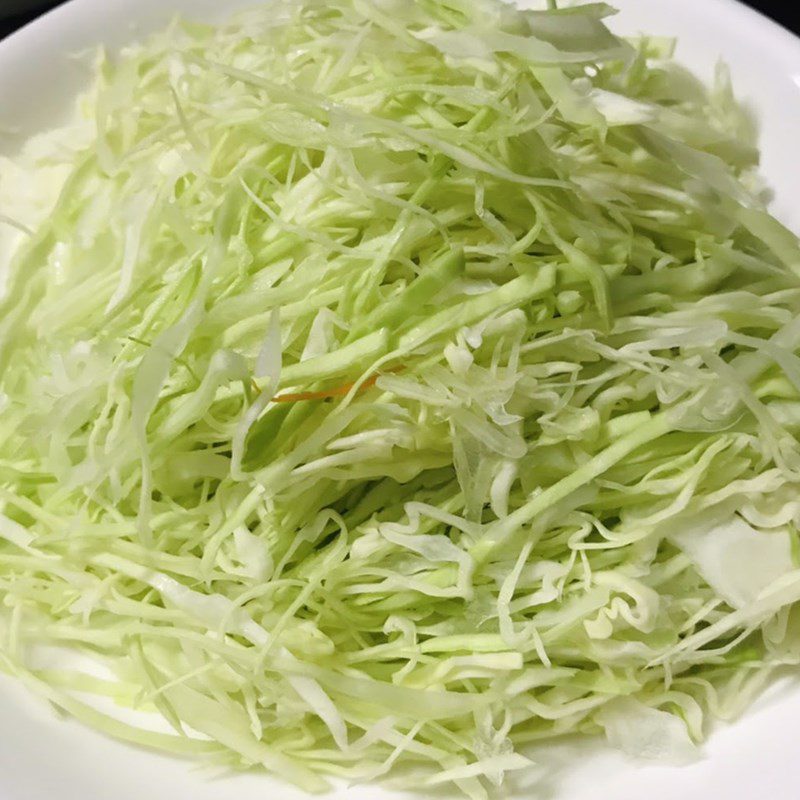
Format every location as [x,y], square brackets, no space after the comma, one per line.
[399,384]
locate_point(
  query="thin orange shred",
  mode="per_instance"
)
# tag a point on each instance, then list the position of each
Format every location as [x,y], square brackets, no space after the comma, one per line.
[337,391]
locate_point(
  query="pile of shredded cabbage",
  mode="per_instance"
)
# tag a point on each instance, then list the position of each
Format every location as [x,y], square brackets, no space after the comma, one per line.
[392,385]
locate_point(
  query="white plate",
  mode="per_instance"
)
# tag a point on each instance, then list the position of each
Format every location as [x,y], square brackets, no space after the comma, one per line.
[42,758]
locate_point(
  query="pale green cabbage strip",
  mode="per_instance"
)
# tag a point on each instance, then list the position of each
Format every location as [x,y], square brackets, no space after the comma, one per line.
[532,468]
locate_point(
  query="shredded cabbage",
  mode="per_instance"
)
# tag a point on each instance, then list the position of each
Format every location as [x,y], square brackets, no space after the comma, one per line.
[385,386]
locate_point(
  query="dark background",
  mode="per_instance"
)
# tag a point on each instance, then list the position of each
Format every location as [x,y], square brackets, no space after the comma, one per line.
[780,10]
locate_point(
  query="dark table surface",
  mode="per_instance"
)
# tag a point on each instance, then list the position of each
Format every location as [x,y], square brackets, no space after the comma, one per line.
[784,11]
